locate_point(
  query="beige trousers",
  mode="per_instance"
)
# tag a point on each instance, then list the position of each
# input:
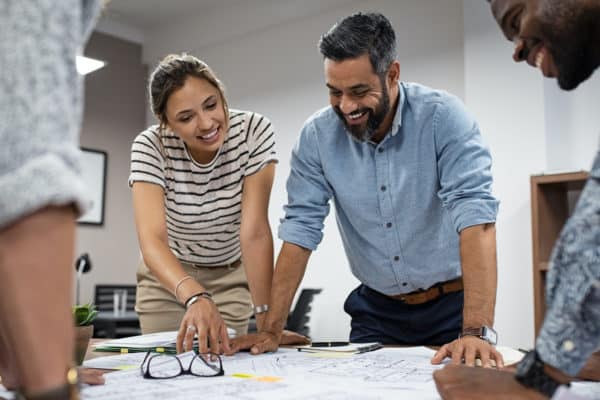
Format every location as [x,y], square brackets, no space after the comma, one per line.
[158,309]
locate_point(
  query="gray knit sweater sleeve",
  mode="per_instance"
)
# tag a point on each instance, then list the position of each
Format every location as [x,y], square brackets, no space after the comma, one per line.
[40,104]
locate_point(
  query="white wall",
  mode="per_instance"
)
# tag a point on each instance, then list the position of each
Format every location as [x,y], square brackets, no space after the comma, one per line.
[572,124]
[277,70]
[507,100]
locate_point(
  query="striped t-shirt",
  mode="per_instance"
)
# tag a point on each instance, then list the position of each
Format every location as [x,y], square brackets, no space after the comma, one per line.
[203,201]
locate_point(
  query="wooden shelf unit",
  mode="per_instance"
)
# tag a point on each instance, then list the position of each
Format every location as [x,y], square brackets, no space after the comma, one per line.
[553,198]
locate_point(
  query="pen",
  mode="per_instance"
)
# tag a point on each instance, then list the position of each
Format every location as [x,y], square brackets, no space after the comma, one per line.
[372,347]
[328,344]
[523,351]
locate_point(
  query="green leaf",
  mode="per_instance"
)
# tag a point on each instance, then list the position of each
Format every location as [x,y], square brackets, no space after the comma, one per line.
[84,314]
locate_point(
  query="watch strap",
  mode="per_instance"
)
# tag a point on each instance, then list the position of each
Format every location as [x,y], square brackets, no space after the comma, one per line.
[482,332]
[530,373]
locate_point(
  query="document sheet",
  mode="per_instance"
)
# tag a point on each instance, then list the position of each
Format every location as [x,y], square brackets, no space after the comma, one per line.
[287,374]
[389,373]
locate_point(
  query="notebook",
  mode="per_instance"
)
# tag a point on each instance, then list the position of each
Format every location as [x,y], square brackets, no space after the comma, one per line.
[350,348]
[160,342]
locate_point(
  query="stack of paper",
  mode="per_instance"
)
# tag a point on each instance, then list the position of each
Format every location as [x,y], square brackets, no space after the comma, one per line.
[160,342]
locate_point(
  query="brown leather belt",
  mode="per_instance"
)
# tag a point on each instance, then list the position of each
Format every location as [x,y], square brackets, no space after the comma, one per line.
[423,296]
[231,265]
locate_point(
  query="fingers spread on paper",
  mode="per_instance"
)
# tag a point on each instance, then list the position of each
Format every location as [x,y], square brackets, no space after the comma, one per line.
[472,351]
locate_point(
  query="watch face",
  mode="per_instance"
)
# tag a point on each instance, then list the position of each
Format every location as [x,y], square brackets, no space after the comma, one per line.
[490,335]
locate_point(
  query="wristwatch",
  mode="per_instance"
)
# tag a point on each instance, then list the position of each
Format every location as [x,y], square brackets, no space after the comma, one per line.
[530,373]
[484,332]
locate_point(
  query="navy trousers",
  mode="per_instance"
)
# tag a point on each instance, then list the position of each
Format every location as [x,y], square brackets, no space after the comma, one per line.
[378,318]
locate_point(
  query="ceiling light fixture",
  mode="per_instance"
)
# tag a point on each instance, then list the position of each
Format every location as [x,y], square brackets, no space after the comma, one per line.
[85,65]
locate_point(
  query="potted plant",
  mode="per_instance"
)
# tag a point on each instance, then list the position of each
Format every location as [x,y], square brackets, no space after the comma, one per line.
[83,316]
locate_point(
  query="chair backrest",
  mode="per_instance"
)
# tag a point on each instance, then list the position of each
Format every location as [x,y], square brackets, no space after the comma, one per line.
[298,319]
[104,298]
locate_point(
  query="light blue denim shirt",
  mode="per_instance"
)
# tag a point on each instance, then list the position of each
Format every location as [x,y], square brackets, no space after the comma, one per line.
[401,203]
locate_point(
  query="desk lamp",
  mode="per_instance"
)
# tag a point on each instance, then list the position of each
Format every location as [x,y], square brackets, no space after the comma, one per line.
[82,265]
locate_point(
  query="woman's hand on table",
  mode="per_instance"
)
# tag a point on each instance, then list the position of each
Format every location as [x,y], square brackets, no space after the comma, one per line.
[203,318]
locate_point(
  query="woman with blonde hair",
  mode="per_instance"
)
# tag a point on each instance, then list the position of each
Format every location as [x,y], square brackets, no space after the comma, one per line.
[201,182]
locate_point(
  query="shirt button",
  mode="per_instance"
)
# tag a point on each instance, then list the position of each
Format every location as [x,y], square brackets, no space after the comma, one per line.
[380,150]
[383,188]
[568,345]
[396,258]
[389,224]
[404,283]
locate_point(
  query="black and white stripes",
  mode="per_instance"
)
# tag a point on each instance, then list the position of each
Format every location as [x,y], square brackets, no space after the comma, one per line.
[203,202]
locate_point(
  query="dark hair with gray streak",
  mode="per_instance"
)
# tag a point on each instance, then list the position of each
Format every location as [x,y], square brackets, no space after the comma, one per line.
[358,34]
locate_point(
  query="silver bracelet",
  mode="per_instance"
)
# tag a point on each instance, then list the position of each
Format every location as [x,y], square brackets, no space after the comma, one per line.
[263,308]
[194,298]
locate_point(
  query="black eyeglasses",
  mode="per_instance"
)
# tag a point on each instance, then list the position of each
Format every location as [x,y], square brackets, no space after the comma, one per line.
[165,366]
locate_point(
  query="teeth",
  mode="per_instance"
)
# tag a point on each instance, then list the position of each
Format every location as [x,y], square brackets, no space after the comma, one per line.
[209,135]
[539,59]
[356,115]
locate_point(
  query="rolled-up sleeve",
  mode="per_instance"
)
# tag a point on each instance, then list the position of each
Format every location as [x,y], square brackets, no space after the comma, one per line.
[464,167]
[308,194]
[571,329]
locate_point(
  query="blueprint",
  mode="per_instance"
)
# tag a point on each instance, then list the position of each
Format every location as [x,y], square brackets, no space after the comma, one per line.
[389,373]
[287,374]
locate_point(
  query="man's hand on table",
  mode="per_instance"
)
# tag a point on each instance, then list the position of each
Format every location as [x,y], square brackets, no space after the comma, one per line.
[591,369]
[468,348]
[86,375]
[263,342]
[91,376]
[458,382]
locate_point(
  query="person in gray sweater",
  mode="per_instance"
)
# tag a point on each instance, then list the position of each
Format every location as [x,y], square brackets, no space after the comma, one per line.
[42,191]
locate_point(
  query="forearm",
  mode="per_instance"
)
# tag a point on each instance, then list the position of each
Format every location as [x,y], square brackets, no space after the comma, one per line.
[257,258]
[478,259]
[36,267]
[289,271]
[163,264]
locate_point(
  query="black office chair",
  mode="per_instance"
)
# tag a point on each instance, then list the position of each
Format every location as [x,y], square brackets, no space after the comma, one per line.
[298,319]
[104,301]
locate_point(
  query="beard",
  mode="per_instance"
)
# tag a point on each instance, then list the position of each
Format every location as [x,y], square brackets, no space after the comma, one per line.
[375,118]
[569,33]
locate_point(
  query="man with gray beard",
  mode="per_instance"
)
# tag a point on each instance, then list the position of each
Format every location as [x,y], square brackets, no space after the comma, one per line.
[407,170]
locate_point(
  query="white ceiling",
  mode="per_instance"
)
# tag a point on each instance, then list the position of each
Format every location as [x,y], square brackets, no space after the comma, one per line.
[144,14]
[148,14]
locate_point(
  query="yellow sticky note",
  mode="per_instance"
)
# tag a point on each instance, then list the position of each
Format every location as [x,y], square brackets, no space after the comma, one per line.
[124,351]
[268,379]
[126,367]
[241,375]
[160,349]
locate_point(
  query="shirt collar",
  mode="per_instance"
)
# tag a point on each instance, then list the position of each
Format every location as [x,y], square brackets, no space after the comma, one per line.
[397,122]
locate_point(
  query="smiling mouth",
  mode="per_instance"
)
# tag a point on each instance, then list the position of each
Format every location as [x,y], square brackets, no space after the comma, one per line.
[542,60]
[539,59]
[210,135]
[355,116]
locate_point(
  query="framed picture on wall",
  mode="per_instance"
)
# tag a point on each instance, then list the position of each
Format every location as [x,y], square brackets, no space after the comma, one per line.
[94,176]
